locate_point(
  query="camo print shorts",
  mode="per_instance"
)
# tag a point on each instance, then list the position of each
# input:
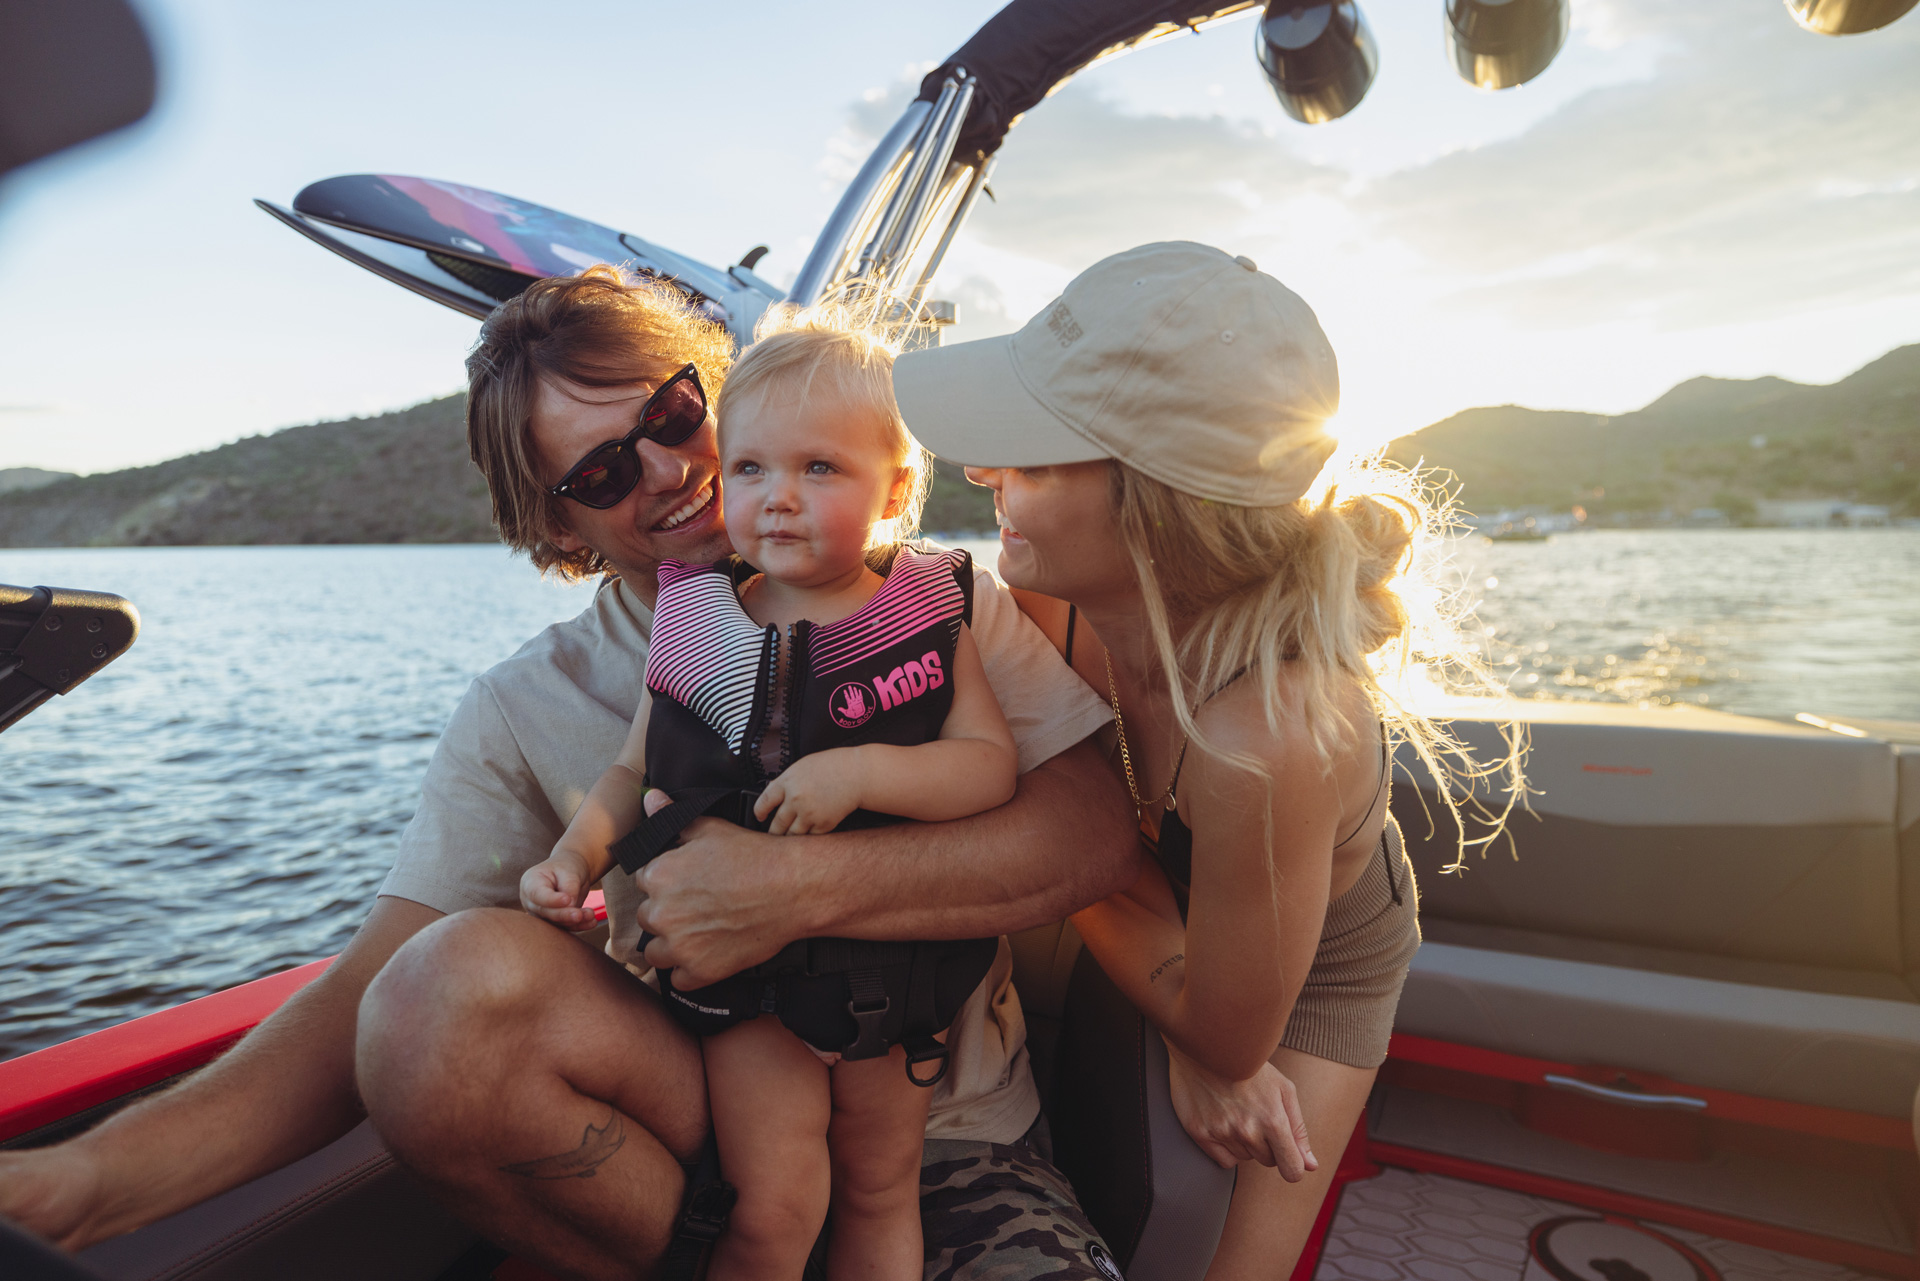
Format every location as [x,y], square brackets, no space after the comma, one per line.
[1001,1212]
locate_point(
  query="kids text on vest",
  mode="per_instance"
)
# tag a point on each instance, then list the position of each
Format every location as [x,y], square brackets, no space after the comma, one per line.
[817,471]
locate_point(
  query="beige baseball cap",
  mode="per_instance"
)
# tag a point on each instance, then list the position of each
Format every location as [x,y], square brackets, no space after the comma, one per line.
[1180,360]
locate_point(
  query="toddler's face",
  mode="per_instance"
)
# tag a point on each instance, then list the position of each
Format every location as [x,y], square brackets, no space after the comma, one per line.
[803,485]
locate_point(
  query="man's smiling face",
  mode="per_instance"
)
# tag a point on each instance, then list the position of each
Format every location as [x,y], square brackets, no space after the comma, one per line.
[673,513]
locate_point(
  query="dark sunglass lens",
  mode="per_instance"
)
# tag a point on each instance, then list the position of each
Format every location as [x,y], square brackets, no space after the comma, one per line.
[605,477]
[676,413]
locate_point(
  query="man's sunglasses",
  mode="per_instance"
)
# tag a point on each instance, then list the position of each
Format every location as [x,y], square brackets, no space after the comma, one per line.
[609,473]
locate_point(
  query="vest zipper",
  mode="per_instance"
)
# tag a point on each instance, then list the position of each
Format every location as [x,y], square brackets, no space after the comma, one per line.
[770,655]
[797,636]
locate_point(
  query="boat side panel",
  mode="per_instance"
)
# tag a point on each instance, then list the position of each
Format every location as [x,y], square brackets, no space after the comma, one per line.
[43,1087]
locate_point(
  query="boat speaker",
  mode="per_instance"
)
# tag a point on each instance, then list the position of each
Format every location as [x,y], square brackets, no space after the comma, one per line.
[52,638]
[1497,44]
[1847,17]
[1320,58]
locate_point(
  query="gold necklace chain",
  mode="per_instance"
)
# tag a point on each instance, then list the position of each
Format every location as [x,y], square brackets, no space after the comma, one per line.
[1126,757]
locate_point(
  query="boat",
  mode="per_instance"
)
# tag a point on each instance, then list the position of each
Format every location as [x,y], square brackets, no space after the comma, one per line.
[1669,1027]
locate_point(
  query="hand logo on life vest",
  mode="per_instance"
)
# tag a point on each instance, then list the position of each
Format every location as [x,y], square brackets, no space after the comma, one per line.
[852,704]
[855,702]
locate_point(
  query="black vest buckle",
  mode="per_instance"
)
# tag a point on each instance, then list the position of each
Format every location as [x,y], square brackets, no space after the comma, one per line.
[924,1049]
[707,1211]
[869,1007]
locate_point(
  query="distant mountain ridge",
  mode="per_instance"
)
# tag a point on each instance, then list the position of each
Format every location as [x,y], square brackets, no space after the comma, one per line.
[400,477]
[1708,442]
[404,477]
[12,478]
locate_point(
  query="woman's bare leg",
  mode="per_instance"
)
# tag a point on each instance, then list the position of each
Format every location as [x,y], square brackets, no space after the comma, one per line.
[879,1129]
[1270,1218]
[771,1106]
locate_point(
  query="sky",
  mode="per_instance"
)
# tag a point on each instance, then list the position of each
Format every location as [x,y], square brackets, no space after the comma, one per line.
[1690,189]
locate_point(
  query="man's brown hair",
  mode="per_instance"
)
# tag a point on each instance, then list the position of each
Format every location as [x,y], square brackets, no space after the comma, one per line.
[598,329]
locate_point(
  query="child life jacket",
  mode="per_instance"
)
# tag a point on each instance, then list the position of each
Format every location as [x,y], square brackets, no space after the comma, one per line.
[880,675]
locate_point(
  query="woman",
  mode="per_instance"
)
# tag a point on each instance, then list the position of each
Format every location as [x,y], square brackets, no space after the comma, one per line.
[1157,447]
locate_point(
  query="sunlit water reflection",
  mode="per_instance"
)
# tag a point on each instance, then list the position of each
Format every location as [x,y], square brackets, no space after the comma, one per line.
[221,803]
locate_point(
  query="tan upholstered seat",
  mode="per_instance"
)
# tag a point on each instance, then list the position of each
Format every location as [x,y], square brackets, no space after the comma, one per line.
[1717,899]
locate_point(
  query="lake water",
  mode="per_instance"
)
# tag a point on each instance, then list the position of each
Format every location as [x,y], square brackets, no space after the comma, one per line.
[221,803]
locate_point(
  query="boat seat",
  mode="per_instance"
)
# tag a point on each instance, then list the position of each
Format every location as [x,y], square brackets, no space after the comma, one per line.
[1716,899]
[1853,1052]
[1157,1200]
[345,1211]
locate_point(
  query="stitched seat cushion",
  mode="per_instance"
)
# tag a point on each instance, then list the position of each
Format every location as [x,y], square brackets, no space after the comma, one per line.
[1850,1052]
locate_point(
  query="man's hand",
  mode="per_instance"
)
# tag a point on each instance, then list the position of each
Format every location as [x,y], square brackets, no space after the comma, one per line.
[813,794]
[728,898]
[555,889]
[1235,1121]
[51,1191]
[718,902]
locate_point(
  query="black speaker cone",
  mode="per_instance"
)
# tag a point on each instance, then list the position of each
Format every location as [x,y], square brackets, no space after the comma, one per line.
[1497,44]
[1320,58]
[1847,17]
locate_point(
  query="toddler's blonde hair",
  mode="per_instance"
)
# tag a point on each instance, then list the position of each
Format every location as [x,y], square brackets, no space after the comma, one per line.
[796,350]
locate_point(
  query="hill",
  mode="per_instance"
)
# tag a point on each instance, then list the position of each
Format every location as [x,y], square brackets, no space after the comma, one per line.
[1709,442]
[12,478]
[404,477]
[401,477]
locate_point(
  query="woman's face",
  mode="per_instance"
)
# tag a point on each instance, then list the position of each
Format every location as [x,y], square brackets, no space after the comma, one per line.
[1057,532]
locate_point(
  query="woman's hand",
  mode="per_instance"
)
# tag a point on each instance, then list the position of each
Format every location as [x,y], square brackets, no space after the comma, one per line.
[1234,1121]
[554,890]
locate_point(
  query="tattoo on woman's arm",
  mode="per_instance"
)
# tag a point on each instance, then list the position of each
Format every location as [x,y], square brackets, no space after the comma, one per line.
[1166,965]
[597,1144]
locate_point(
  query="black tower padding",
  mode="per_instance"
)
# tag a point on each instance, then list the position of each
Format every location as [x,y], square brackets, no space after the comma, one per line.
[1032,45]
[52,638]
[1157,1199]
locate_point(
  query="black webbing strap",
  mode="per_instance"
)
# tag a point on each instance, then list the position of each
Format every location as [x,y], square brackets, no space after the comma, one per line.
[658,831]
[868,1003]
[704,1208]
[923,1019]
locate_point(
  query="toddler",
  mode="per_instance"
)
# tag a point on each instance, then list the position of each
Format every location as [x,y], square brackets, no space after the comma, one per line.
[840,683]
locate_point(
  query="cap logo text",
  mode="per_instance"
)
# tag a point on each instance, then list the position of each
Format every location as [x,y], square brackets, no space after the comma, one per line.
[1064,326]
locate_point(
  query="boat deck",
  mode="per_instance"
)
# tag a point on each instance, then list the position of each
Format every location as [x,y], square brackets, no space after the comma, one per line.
[1406,1226]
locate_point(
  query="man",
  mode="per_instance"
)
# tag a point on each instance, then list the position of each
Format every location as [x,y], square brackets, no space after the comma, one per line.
[537,1084]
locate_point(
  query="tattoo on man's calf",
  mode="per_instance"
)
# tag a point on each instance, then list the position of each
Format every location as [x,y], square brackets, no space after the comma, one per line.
[1166,965]
[597,1144]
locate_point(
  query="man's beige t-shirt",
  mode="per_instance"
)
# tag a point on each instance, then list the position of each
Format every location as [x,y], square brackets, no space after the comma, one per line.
[535,732]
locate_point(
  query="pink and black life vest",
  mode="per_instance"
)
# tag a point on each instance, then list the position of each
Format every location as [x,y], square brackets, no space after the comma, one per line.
[880,675]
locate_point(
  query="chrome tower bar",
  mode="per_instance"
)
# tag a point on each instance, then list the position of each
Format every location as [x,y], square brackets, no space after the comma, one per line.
[910,196]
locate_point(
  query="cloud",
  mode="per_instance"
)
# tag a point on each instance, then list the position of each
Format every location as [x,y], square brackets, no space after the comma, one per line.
[1084,179]
[1760,171]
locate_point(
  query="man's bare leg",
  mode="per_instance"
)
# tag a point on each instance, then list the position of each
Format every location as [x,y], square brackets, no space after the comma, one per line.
[771,1109]
[542,1090]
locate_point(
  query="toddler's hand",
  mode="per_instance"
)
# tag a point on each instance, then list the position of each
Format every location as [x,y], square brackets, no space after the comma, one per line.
[555,889]
[813,794]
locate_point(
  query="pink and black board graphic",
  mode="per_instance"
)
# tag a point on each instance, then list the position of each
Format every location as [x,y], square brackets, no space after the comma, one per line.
[493,243]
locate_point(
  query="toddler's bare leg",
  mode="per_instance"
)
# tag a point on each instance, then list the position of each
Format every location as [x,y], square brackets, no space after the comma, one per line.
[879,1127]
[771,1107]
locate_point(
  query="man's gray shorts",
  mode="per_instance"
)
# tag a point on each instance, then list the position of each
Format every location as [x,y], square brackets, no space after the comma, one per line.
[1001,1212]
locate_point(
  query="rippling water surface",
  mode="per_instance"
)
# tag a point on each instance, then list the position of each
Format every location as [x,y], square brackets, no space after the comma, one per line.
[221,803]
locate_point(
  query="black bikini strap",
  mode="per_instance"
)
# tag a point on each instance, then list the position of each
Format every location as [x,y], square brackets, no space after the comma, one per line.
[1377,790]
[1073,616]
[1182,762]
